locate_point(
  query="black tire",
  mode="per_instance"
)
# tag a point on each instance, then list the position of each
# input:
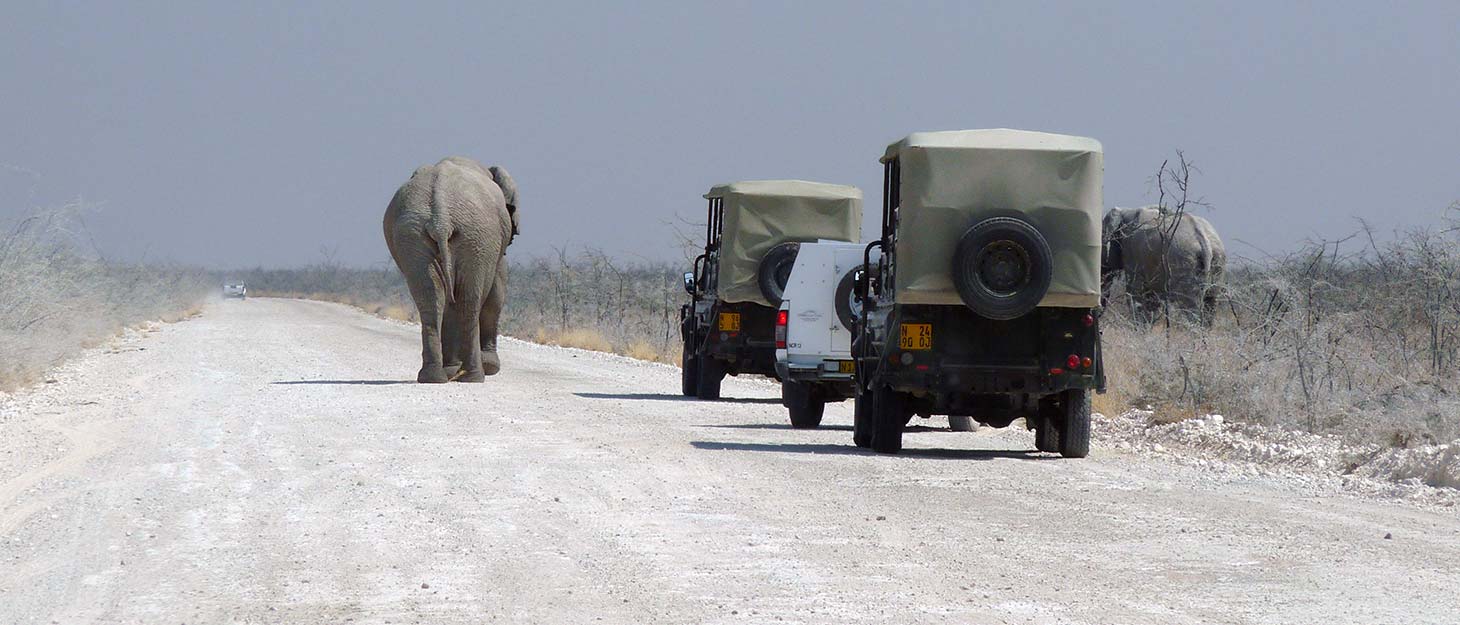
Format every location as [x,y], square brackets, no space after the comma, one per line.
[775,270]
[711,373]
[1002,268]
[889,417]
[862,418]
[804,403]
[1074,423]
[848,311]
[1046,437]
[961,424]
[689,373]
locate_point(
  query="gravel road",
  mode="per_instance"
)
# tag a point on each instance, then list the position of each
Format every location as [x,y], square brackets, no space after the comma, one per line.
[268,462]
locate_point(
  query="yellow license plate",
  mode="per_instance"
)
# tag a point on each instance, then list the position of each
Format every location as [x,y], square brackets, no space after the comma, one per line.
[846,366]
[915,336]
[729,322]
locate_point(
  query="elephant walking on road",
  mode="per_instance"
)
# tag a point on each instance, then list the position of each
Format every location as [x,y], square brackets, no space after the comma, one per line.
[448,228]
[1165,258]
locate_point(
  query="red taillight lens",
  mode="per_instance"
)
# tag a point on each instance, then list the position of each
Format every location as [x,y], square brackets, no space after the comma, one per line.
[1086,362]
[782,318]
[1072,362]
[1088,321]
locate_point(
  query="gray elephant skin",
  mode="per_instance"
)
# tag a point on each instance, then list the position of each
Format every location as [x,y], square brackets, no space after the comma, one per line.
[448,228]
[1165,257]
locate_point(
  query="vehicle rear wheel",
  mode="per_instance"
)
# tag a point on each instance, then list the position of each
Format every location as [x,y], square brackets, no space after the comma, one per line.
[689,370]
[862,418]
[961,424]
[804,403]
[711,373]
[1046,437]
[889,417]
[1074,428]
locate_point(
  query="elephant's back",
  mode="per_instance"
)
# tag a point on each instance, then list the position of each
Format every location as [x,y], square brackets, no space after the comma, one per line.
[1161,250]
[466,186]
[411,200]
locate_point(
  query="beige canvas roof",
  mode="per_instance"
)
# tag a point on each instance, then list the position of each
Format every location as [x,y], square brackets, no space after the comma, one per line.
[952,180]
[992,139]
[761,214]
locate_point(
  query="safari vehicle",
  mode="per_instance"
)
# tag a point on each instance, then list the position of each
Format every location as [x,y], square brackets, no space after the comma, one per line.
[752,236]
[986,300]
[236,289]
[818,313]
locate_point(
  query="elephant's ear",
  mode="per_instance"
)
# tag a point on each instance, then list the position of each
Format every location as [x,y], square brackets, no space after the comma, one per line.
[1112,234]
[1110,225]
[509,192]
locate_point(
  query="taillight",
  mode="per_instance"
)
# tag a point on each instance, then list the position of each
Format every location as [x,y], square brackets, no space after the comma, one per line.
[782,318]
[1086,362]
[1073,362]
[1088,320]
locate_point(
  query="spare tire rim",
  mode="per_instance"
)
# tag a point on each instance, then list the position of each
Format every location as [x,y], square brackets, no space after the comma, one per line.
[854,306]
[1003,267]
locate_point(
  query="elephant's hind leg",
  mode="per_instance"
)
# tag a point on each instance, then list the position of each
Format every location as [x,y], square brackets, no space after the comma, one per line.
[430,303]
[451,356]
[491,316]
[468,334]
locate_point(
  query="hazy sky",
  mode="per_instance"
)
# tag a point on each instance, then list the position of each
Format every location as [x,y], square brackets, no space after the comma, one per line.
[243,133]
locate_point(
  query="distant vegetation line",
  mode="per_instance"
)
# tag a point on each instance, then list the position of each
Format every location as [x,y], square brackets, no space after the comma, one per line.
[587,300]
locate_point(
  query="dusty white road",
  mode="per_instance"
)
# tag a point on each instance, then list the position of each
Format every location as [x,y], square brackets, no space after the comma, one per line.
[265,463]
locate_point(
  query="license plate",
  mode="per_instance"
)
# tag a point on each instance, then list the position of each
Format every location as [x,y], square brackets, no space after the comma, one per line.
[729,322]
[845,366]
[915,336]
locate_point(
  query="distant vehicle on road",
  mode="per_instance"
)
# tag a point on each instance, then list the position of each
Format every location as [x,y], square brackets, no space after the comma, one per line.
[753,231]
[238,290]
[818,314]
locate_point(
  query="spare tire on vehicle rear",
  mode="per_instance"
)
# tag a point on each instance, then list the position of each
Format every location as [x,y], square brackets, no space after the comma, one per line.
[775,271]
[848,306]
[1002,268]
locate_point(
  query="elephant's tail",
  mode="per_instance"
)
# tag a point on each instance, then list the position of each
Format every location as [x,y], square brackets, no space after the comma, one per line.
[442,265]
[439,231]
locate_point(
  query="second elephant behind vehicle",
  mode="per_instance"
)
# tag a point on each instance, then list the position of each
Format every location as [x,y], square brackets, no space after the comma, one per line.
[1166,257]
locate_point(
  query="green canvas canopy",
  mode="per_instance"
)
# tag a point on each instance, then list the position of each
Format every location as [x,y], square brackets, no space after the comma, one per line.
[951,180]
[761,214]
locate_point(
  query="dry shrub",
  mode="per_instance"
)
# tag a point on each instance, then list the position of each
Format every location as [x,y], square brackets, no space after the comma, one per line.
[642,350]
[581,338]
[398,312]
[58,297]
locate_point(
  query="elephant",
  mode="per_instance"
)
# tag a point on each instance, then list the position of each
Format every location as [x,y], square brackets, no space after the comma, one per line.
[448,229]
[1164,260]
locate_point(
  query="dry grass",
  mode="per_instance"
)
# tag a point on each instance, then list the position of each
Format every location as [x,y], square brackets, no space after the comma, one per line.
[386,309]
[57,297]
